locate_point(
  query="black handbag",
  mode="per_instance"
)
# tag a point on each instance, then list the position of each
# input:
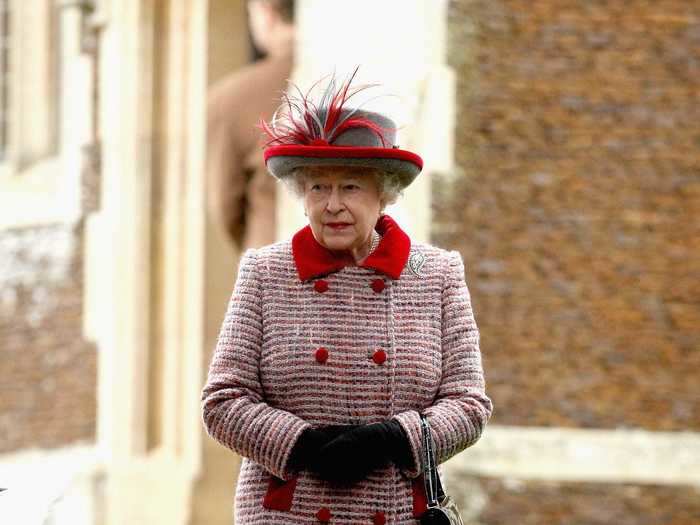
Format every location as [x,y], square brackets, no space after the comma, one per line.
[442,509]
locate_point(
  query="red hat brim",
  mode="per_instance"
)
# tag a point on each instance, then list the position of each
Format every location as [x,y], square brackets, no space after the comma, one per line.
[282,160]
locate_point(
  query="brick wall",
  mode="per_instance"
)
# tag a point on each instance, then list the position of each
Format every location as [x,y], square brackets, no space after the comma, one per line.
[579,178]
[549,503]
[48,387]
[575,205]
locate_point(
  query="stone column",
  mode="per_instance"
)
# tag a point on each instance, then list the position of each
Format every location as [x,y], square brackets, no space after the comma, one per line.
[227,50]
[147,246]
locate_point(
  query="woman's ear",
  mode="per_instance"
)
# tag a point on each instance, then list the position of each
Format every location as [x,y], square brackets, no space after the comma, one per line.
[382,205]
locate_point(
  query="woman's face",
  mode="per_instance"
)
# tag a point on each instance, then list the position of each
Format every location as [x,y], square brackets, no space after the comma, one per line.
[343,205]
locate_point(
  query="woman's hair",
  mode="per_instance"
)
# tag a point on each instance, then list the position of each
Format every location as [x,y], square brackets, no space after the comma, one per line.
[389,184]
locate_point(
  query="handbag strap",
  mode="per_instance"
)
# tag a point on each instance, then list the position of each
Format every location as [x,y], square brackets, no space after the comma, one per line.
[433,486]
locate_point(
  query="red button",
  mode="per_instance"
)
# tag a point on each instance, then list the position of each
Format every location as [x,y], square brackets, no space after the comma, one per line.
[321,286]
[321,355]
[379,357]
[379,518]
[378,285]
[324,515]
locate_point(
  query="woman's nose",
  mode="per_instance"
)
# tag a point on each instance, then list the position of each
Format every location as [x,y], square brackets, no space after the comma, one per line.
[335,203]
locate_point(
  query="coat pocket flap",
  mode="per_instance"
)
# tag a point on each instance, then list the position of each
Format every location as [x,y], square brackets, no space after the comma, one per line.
[280,493]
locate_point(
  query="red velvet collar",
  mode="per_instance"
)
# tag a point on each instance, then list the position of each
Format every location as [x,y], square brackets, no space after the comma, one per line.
[389,258]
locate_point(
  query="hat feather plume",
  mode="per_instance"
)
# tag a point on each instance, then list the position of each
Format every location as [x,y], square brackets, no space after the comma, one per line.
[301,121]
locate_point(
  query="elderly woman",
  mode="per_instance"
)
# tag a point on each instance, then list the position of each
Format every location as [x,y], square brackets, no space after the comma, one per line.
[337,341]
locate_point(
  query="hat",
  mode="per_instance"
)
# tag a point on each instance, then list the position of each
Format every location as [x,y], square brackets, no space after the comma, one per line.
[303,133]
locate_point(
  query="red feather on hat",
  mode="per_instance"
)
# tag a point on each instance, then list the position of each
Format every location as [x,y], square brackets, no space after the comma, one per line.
[300,121]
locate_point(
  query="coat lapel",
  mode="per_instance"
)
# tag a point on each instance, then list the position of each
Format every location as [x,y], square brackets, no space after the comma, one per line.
[390,257]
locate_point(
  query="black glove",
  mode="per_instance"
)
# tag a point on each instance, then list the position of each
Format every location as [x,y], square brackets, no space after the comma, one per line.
[309,443]
[352,455]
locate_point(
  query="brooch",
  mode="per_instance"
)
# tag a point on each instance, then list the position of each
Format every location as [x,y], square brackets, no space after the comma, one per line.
[416,262]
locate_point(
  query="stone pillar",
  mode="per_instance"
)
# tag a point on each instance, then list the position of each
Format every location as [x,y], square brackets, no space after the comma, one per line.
[227,50]
[402,46]
[146,248]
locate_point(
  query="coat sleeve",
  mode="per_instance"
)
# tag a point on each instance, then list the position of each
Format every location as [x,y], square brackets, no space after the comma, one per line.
[234,409]
[461,408]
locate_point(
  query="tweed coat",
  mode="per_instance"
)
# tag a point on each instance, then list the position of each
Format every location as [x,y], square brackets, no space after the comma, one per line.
[309,340]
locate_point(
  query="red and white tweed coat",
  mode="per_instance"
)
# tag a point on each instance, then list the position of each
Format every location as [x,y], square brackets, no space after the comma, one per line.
[309,339]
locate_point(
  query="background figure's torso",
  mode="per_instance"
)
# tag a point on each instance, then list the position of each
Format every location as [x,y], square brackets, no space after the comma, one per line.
[236,105]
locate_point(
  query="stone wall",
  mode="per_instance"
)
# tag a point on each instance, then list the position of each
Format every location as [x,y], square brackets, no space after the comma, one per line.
[573,201]
[578,179]
[48,371]
[499,502]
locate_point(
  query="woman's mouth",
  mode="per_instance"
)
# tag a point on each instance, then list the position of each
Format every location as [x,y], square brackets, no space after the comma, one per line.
[338,225]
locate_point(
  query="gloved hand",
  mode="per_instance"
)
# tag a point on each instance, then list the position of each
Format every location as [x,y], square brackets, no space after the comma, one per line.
[310,442]
[352,455]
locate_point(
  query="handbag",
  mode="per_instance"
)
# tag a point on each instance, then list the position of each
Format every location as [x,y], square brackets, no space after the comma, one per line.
[442,509]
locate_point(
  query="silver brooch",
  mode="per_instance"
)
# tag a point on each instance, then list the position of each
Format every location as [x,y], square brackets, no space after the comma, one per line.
[416,262]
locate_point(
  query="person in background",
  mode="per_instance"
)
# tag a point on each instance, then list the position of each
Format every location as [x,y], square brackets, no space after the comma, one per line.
[338,340]
[241,195]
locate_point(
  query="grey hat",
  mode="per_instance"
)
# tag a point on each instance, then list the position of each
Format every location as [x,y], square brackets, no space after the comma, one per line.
[305,134]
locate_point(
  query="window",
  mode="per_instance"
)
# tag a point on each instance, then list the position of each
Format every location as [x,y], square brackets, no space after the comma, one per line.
[29,76]
[30,162]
